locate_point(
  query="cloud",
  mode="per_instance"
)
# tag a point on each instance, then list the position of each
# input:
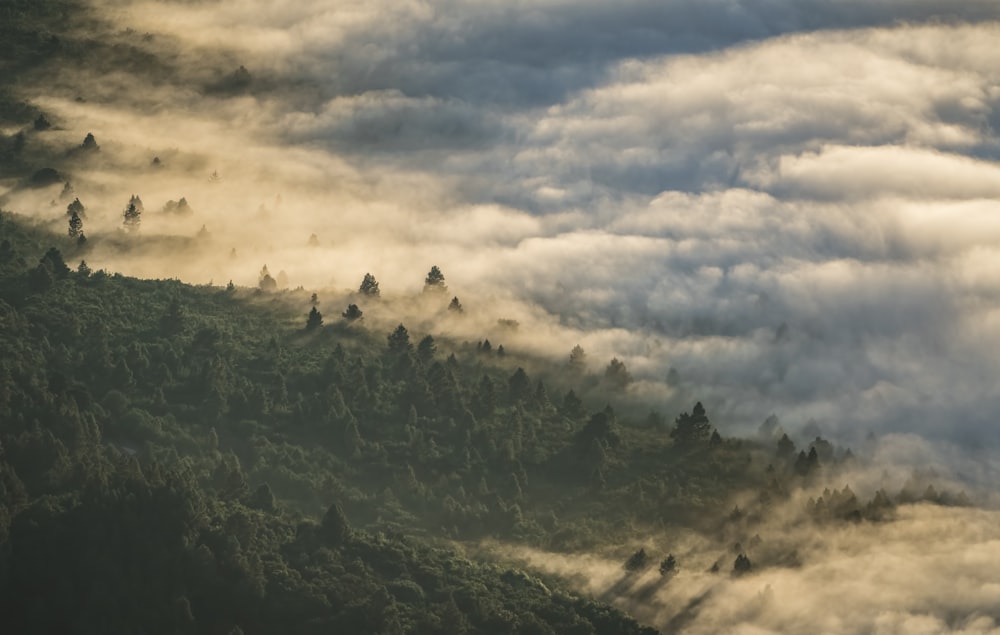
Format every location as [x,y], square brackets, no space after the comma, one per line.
[792,205]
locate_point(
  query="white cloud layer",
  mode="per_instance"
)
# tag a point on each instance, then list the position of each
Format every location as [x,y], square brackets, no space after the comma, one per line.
[793,204]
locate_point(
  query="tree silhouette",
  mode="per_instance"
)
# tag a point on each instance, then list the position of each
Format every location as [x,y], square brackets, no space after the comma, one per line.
[90,143]
[75,226]
[399,341]
[315,320]
[691,429]
[76,207]
[265,281]
[369,286]
[435,280]
[617,375]
[335,529]
[742,564]
[668,566]
[352,313]
[637,561]
[132,217]
[456,306]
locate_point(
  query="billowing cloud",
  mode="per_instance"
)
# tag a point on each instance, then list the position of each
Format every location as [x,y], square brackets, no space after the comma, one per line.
[790,204]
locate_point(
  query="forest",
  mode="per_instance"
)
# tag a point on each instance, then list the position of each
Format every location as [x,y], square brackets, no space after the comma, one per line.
[223,458]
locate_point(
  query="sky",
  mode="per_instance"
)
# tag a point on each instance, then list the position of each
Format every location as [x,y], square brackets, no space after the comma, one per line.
[791,204]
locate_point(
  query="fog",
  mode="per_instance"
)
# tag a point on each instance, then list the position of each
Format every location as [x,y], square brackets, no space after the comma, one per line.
[791,204]
[921,569]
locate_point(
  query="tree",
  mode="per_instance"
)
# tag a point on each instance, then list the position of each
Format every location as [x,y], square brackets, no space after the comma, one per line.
[41,123]
[132,217]
[426,350]
[315,320]
[691,429]
[76,207]
[83,269]
[668,566]
[335,529]
[369,286]
[352,313]
[135,200]
[786,448]
[577,360]
[742,565]
[637,561]
[75,226]
[456,306]
[90,143]
[265,281]
[572,406]
[519,386]
[263,498]
[399,341]
[617,375]
[54,263]
[435,280]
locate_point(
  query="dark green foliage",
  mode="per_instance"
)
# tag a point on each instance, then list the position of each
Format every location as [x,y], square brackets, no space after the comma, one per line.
[637,561]
[76,207]
[519,387]
[455,306]
[426,350]
[45,177]
[352,313]
[53,262]
[742,565]
[265,281]
[176,450]
[399,341]
[786,448]
[692,429]
[90,143]
[180,207]
[616,375]
[131,217]
[369,286]
[668,566]
[335,530]
[75,226]
[435,280]
[314,320]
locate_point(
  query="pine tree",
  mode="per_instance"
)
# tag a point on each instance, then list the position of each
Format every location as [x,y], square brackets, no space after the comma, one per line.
[315,320]
[76,207]
[369,286]
[75,226]
[132,217]
[335,529]
[435,280]
[399,341]
[691,429]
[265,281]
[90,143]
[668,566]
[352,313]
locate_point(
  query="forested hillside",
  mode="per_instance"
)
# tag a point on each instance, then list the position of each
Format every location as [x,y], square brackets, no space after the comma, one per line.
[213,458]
